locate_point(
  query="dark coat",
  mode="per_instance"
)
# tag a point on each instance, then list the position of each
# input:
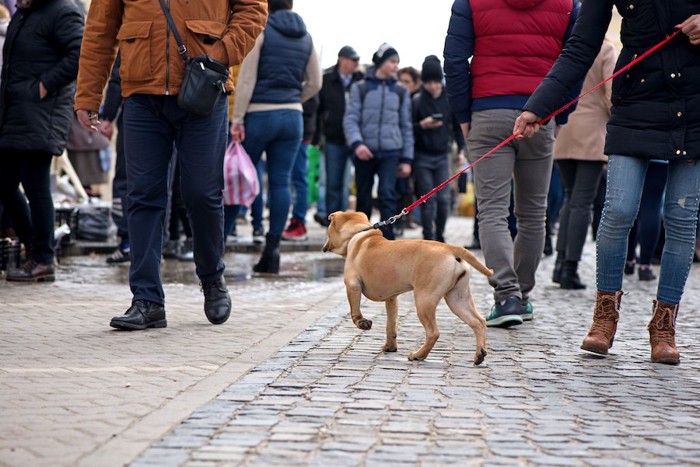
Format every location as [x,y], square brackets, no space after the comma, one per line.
[656,104]
[438,140]
[332,106]
[42,45]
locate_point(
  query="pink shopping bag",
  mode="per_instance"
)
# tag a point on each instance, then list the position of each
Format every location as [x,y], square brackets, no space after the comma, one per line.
[241,184]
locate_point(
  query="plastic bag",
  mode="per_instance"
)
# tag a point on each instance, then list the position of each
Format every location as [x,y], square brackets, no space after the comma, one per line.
[241,184]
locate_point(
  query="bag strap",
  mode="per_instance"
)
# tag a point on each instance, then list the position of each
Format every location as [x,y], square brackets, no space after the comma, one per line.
[181,48]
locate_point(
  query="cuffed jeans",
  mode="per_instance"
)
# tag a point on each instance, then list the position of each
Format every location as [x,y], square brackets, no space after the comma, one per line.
[622,197]
[278,133]
[528,163]
[152,125]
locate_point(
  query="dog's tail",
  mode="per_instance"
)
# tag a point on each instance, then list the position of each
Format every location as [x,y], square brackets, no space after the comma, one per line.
[474,262]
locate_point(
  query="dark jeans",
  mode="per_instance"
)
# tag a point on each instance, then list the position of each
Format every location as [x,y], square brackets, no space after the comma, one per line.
[647,228]
[300,184]
[119,199]
[581,180]
[152,125]
[178,211]
[337,190]
[384,166]
[429,171]
[278,134]
[32,169]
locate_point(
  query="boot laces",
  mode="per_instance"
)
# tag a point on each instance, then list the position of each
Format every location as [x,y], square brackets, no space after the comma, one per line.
[605,315]
[663,325]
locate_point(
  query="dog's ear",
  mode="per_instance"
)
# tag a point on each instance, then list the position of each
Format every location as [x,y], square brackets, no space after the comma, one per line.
[331,216]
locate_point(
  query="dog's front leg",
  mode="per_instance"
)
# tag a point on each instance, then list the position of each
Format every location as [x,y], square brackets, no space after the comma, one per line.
[353,287]
[392,314]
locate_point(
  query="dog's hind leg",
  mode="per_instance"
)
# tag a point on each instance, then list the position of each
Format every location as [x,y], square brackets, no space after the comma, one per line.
[461,302]
[353,289]
[392,316]
[426,306]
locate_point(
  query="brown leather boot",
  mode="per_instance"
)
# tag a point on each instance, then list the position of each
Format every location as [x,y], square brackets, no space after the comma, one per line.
[605,315]
[662,334]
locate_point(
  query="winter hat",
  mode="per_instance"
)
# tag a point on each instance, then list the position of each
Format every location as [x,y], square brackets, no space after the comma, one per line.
[432,69]
[349,52]
[384,53]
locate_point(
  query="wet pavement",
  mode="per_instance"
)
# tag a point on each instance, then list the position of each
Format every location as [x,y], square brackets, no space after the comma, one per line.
[289,380]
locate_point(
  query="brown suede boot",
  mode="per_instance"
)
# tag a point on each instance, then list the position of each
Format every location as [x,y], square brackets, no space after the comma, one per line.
[605,315]
[662,334]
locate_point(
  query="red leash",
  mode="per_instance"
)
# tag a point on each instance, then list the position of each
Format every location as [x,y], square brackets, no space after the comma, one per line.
[426,196]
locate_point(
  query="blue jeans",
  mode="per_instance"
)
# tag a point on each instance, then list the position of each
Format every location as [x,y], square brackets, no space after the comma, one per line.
[278,133]
[300,184]
[152,125]
[385,167]
[622,197]
[337,186]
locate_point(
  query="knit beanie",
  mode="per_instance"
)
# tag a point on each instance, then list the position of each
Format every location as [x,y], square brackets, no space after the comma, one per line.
[432,69]
[384,53]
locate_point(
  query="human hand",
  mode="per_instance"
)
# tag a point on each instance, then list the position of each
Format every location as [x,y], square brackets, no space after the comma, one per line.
[465,129]
[107,129]
[238,132]
[557,129]
[526,125]
[42,91]
[461,158]
[403,170]
[691,28]
[428,123]
[88,119]
[363,153]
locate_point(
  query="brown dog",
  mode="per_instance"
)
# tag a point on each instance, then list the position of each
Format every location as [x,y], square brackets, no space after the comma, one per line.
[381,270]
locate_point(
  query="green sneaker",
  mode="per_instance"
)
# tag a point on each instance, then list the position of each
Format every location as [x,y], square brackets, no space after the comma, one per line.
[505,314]
[526,310]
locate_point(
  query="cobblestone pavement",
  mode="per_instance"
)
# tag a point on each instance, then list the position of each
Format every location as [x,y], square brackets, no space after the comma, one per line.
[290,381]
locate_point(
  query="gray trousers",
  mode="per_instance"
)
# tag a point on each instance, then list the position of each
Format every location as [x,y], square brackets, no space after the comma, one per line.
[528,163]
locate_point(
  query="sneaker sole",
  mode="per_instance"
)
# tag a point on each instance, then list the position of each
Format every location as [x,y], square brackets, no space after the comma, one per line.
[526,316]
[138,327]
[505,321]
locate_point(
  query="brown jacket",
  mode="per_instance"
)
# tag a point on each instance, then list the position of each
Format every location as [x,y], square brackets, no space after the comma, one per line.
[225,30]
[583,137]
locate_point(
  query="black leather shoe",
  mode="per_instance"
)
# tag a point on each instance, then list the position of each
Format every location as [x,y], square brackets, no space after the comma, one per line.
[217,302]
[141,315]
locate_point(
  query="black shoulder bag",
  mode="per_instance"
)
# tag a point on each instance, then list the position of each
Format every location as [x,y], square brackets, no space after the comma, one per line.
[204,80]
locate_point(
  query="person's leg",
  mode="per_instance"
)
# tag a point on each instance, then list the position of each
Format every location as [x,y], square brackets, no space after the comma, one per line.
[441,172]
[119,187]
[148,143]
[257,208]
[492,177]
[15,207]
[230,214]
[347,180]
[532,174]
[625,177]
[580,203]
[680,220]
[364,180]
[649,217]
[424,178]
[623,193]
[321,215]
[567,172]
[335,157]
[386,171]
[300,184]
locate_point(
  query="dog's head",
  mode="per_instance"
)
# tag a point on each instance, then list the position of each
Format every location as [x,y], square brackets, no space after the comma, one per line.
[343,226]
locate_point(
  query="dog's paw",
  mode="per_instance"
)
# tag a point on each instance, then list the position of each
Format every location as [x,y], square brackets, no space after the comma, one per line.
[415,357]
[479,358]
[365,324]
[389,348]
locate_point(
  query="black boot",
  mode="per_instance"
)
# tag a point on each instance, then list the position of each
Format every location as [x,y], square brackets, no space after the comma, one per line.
[270,259]
[569,278]
[558,265]
[217,302]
